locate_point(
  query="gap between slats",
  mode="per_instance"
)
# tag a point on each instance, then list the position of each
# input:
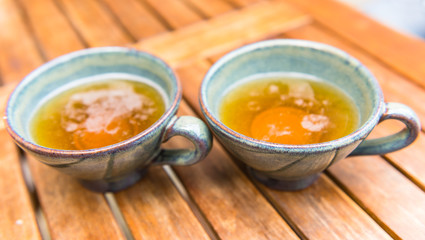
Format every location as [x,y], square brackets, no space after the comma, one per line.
[195,9]
[117,20]
[156,14]
[387,158]
[26,172]
[400,77]
[404,172]
[361,205]
[80,37]
[179,191]
[32,190]
[118,215]
[109,197]
[25,18]
[348,193]
[191,203]
[279,210]
[119,218]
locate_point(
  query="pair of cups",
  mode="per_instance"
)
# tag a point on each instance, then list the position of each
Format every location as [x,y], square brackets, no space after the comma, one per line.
[279,166]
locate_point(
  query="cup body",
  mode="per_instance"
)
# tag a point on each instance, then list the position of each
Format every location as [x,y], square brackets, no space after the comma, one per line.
[291,167]
[108,168]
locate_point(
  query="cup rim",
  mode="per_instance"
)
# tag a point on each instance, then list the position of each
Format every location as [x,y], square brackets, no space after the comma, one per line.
[61,153]
[360,133]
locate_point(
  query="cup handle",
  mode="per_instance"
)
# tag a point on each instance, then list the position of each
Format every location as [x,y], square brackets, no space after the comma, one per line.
[195,131]
[395,141]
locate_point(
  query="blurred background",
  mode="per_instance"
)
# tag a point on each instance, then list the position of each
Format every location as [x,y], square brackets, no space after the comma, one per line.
[407,16]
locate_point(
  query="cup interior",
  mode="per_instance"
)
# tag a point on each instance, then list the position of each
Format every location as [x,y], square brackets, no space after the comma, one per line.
[65,71]
[292,57]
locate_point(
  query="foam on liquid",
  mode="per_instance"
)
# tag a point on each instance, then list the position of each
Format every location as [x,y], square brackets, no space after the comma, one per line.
[96,114]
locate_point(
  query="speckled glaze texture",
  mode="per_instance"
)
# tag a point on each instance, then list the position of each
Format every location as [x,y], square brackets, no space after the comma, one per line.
[294,167]
[117,166]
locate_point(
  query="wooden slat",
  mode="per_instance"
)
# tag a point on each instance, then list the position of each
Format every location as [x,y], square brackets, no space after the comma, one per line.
[175,12]
[382,190]
[231,203]
[148,215]
[94,23]
[54,199]
[19,54]
[154,209]
[45,19]
[218,176]
[5,91]
[71,211]
[210,8]
[327,212]
[202,39]
[322,201]
[191,77]
[389,196]
[17,219]
[139,21]
[408,160]
[394,87]
[403,53]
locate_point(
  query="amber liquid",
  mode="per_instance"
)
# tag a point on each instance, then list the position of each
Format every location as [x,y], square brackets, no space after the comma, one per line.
[96,114]
[289,110]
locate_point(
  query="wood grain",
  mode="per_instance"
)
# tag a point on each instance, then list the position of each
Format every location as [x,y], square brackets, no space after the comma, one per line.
[18,216]
[210,8]
[391,198]
[228,199]
[154,209]
[45,19]
[202,39]
[94,23]
[383,194]
[406,160]
[191,77]
[136,18]
[327,212]
[19,54]
[66,204]
[71,211]
[175,12]
[394,88]
[372,181]
[393,85]
[323,203]
[91,206]
[401,52]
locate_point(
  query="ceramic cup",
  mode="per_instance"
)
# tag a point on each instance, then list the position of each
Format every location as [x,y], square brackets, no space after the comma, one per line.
[117,166]
[293,167]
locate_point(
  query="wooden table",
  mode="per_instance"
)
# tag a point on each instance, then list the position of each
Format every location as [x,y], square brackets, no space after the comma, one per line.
[372,197]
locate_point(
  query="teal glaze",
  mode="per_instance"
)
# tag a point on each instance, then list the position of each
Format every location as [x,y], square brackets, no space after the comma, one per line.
[117,166]
[292,167]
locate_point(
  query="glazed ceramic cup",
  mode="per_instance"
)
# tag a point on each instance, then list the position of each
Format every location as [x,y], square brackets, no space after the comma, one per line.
[117,166]
[293,167]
